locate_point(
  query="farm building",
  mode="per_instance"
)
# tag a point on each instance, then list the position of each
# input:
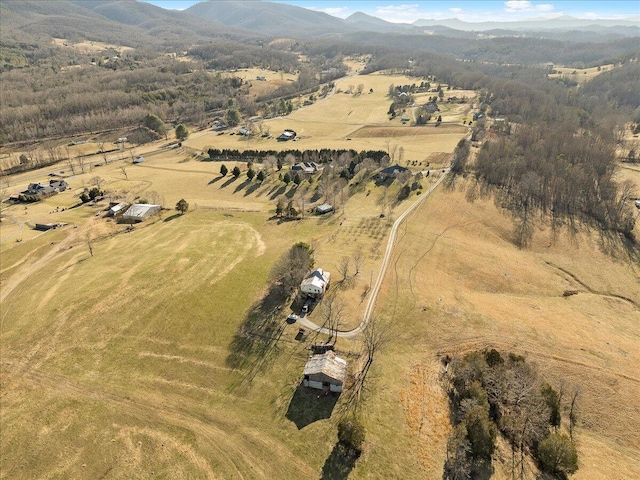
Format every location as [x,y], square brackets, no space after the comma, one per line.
[117,209]
[306,167]
[391,172]
[324,208]
[286,135]
[139,212]
[315,284]
[325,371]
[59,185]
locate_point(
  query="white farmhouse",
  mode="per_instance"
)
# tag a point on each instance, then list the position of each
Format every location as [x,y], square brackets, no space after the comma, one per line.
[315,284]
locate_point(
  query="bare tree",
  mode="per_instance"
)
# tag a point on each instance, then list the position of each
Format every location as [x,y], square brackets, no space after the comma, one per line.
[343,267]
[123,169]
[97,181]
[358,259]
[89,241]
[573,410]
[374,337]
[333,313]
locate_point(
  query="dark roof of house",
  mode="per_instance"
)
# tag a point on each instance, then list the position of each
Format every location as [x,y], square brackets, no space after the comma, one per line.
[393,170]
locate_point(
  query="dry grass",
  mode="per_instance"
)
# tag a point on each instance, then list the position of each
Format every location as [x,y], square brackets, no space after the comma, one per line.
[333,121]
[458,284]
[580,75]
[90,47]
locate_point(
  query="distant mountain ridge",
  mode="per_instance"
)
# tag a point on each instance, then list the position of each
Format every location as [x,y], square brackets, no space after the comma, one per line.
[564,22]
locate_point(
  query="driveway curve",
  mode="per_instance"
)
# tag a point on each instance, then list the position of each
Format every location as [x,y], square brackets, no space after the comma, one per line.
[368,311]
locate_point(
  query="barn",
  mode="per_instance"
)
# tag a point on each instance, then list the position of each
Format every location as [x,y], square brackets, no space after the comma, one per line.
[138,212]
[325,372]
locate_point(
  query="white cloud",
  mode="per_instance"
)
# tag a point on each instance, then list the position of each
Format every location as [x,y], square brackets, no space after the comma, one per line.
[400,13]
[525,6]
[456,10]
[517,5]
[341,12]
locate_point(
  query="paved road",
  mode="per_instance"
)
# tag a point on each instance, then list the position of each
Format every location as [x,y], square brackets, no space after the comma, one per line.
[305,322]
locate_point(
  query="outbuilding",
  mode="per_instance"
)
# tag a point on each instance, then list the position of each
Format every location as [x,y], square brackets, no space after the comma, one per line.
[326,371]
[324,208]
[139,212]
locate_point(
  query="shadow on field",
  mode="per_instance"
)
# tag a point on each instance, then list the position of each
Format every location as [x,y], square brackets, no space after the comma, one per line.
[278,192]
[252,188]
[228,182]
[171,217]
[254,346]
[242,185]
[339,464]
[308,405]
[215,180]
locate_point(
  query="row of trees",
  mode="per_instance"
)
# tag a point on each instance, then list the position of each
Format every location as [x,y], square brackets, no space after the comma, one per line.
[492,394]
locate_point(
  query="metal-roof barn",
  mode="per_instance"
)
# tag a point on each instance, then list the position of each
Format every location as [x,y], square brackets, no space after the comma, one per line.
[325,371]
[139,212]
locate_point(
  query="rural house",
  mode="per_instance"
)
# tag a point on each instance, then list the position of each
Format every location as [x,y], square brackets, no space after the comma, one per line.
[58,185]
[391,172]
[306,167]
[325,371]
[315,284]
[286,135]
[139,212]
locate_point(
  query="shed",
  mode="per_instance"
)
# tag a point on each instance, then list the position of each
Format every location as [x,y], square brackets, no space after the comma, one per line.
[117,209]
[315,284]
[325,371]
[139,212]
[324,208]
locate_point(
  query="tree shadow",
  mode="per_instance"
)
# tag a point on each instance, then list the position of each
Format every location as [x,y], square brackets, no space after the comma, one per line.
[339,464]
[254,346]
[315,197]
[242,185]
[278,192]
[252,189]
[215,180]
[291,192]
[172,217]
[308,406]
[228,182]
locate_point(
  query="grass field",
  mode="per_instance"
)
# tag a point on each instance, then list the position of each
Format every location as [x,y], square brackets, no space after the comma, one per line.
[336,120]
[458,284]
[580,75]
[124,364]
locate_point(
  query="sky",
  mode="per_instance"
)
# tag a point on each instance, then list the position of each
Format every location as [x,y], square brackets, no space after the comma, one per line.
[408,11]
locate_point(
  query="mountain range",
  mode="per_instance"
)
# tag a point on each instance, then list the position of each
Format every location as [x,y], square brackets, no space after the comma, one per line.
[139,23]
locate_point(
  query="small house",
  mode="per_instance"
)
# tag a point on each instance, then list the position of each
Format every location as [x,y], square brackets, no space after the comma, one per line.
[138,212]
[306,167]
[324,208]
[315,284]
[59,185]
[286,135]
[325,372]
[391,172]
